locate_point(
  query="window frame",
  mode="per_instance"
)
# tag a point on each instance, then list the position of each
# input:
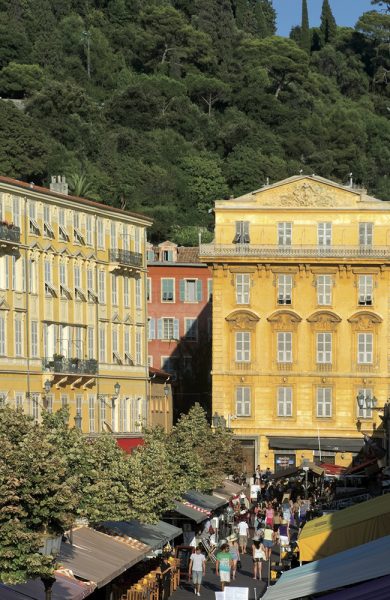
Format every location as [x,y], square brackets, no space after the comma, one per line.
[243,401]
[243,343]
[284,355]
[323,404]
[242,288]
[322,285]
[171,279]
[283,403]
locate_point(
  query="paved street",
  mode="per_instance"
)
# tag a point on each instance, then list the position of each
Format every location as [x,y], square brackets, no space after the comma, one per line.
[211,583]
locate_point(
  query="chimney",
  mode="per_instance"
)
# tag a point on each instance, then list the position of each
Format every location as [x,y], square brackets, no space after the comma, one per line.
[58,184]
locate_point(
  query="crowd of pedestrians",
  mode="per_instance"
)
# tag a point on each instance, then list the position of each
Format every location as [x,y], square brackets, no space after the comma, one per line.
[274,517]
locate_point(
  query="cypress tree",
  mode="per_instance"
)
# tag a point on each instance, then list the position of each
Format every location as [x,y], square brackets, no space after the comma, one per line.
[328,25]
[216,18]
[265,17]
[305,41]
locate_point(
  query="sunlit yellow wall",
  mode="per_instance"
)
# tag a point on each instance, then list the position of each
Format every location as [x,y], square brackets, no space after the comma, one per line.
[22,378]
[305,202]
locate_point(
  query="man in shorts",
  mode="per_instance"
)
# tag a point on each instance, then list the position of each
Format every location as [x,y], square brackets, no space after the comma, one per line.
[224,565]
[197,568]
[243,536]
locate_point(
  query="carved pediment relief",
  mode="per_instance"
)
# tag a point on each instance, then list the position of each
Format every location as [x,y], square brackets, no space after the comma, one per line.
[4,304]
[284,319]
[365,320]
[308,193]
[242,319]
[324,320]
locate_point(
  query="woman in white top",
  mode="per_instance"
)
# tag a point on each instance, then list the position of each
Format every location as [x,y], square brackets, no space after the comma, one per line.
[258,556]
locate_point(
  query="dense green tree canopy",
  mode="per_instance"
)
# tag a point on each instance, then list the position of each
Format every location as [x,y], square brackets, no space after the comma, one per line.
[163,107]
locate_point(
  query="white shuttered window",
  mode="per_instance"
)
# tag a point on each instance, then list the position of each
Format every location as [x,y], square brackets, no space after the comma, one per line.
[243,401]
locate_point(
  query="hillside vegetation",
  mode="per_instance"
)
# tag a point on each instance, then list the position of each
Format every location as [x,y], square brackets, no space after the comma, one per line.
[162,106]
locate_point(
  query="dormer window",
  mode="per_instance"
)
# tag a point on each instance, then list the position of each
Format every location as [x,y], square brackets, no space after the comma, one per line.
[150,255]
[167,255]
[242,233]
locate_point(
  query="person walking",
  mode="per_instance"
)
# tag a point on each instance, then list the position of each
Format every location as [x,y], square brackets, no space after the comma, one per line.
[258,555]
[243,529]
[269,515]
[235,552]
[197,569]
[224,564]
[268,540]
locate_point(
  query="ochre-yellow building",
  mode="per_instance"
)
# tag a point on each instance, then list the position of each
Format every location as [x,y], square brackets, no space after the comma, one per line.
[301,318]
[72,307]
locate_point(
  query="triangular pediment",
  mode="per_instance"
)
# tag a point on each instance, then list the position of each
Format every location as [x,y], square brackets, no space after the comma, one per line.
[49,248]
[308,191]
[65,252]
[4,304]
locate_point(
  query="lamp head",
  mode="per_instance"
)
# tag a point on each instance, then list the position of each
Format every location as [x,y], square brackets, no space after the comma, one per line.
[47,386]
[360,400]
[166,389]
[117,388]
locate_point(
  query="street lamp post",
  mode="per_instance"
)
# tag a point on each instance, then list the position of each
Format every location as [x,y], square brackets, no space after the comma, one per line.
[369,403]
[166,393]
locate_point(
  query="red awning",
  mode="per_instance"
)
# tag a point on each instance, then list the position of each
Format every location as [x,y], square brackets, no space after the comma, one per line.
[334,470]
[128,444]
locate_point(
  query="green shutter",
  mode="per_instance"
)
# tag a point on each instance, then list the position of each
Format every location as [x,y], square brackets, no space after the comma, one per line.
[182,289]
[199,290]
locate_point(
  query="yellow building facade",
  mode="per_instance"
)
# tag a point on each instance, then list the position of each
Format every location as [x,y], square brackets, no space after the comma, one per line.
[72,307]
[301,319]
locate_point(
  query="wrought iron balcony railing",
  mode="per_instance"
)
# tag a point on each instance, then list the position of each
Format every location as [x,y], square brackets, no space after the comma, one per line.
[10,233]
[70,365]
[275,251]
[126,257]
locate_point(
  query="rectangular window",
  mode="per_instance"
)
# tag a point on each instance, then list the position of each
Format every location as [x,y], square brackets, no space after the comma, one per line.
[366,411]
[167,290]
[191,329]
[284,405]
[114,290]
[324,402]
[102,409]
[126,291]
[243,401]
[78,236]
[49,289]
[113,240]
[365,348]
[79,403]
[285,284]
[167,255]
[65,341]
[34,227]
[168,329]
[88,230]
[366,288]
[242,233]
[90,342]
[138,294]
[125,237]
[284,346]
[243,283]
[102,344]
[35,406]
[324,232]
[128,357]
[102,286]
[148,289]
[190,290]
[284,234]
[79,293]
[64,400]
[324,348]
[115,345]
[78,341]
[243,346]
[324,290]
[365,234]
[19,398]
[137,239]
[16,210]
[62,230]
[49,403]
[18,335]
[123,425]
[138,347]
[47,228]
[34,339]
[100,234]
[18,274]
[3,339]
[91,413]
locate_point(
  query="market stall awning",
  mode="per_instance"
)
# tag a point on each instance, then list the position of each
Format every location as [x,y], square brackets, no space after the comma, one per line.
[317,470]
[362,563]
[98,557]
[64,588]
[332,470]
[204,500]
[189,511]
[345,529]
[362,466]
[228,489]
[332,444]
[375,588]
[156,535]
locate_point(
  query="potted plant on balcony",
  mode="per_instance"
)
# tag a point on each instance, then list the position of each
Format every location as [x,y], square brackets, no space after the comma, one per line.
[58,362]
[74,363]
